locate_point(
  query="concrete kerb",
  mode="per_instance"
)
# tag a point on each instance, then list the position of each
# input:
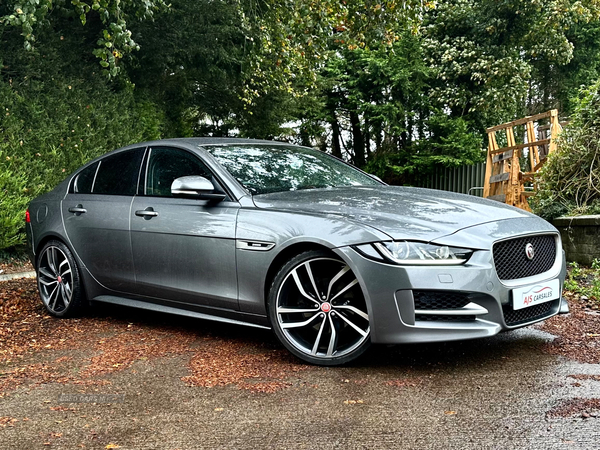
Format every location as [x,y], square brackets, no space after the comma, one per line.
[13,276]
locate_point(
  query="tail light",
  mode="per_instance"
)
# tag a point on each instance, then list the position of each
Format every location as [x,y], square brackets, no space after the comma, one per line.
[27,217]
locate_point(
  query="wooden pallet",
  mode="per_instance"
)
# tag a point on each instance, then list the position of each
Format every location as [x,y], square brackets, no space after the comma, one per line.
[505,181]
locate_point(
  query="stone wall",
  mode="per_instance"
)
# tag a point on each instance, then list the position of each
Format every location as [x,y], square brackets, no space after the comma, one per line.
[581,237]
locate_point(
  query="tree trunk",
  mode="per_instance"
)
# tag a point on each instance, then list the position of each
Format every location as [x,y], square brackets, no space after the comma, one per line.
[367,138]
[336,149]
[357,140]
[378,137]
[304,137]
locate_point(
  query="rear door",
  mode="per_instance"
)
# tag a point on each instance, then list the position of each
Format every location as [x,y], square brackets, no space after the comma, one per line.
[96,216]
[183,249]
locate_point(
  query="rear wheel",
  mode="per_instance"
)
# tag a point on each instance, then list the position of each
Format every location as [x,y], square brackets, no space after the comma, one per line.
[318,310]
[58,280]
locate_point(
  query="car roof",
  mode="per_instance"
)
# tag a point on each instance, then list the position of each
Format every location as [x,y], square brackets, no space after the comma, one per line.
[200,141]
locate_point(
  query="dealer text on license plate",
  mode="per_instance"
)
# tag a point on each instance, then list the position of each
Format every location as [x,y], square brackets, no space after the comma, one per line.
[535,294]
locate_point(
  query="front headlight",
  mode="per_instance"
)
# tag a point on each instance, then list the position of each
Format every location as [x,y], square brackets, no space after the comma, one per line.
[419,253]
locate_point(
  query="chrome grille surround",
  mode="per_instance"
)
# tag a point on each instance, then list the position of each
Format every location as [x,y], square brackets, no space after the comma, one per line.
[511,260]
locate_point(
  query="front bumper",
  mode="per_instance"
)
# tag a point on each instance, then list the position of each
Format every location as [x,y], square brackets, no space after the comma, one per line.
[390,292]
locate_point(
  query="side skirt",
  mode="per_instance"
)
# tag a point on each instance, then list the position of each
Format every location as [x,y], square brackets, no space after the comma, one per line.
[177,311]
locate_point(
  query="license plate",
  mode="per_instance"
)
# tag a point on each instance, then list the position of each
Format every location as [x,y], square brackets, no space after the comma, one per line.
[536,294]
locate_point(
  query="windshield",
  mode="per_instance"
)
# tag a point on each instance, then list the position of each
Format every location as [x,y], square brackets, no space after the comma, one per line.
[263,169]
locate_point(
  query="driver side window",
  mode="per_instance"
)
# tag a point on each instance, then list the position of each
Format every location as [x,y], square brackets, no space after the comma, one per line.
[166,164]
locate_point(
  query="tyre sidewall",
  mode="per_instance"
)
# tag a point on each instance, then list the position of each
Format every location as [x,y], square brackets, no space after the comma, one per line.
[272,310]
[75,307]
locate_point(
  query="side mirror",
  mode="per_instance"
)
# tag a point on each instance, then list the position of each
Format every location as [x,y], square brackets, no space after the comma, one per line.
[195,186]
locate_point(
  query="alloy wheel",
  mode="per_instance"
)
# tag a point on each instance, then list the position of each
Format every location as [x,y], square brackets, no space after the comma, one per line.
[321,310]
[55,279]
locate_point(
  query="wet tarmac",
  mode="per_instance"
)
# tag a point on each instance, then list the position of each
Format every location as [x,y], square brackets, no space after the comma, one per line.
[502,392]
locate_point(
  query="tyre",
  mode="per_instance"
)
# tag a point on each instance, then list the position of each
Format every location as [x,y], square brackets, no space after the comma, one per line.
[318,311]
[59,283]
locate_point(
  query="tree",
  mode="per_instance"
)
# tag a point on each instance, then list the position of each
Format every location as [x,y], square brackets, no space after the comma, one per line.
[490,58]
[110,18]
[570,180]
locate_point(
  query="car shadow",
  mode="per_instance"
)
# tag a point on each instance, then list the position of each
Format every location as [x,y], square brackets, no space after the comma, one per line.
[524,343]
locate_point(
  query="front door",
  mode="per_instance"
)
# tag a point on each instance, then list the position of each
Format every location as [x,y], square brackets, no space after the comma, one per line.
[183,249]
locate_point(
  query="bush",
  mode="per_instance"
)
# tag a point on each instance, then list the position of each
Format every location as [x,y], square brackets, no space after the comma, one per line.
[13,202]
[50,127]
[449,143]
[569,183]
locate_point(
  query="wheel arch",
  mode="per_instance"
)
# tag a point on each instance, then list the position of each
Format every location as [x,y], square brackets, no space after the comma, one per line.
[284,256]
[57,237]
[44,240]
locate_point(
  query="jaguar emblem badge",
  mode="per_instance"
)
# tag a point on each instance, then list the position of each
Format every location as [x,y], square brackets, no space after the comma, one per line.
[529,251]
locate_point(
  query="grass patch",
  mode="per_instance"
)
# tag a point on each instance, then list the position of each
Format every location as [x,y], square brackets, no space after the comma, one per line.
[584,282]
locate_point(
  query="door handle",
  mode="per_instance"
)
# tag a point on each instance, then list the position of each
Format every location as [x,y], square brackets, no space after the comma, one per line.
[78,210]
[147,213]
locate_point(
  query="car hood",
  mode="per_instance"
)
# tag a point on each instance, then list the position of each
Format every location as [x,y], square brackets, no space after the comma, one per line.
[399,212]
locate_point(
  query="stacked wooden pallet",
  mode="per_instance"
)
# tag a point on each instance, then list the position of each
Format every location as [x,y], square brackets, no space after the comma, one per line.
[505,178]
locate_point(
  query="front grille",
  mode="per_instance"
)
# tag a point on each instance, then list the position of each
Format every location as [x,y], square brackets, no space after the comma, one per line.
[511,260]
[529,314]
[443,318]
[440,300]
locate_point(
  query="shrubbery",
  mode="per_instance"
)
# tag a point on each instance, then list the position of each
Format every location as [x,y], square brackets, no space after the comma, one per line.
[569,183]
[450,144]
[48,128]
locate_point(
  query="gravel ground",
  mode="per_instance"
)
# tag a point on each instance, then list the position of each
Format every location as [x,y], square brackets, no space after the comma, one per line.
[122,378]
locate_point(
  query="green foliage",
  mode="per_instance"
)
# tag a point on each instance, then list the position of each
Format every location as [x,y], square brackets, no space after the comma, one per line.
[290,41]
[491,59]
[13,202]
[399,88]
[190,62]
[50,125]
[114,39]
[450,143]
[569,183]
[584,281]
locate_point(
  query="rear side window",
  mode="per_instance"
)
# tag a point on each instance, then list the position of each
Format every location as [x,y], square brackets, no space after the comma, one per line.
[84,181]
[118,174]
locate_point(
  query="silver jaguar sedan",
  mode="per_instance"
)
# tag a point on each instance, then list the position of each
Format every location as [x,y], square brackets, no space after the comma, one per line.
[277,236]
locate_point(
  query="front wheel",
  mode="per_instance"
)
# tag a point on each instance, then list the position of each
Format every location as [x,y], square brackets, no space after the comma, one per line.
[318,310]
[58,280]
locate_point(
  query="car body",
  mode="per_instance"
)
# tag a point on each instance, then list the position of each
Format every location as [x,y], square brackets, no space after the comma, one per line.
[267,234]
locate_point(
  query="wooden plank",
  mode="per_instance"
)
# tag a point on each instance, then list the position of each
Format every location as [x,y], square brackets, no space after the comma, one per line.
[502,157]
[554,131]
[523,202]
[512,194]
[522,121]
[533,150]
[539,165]
[528,193]
[499,198]
[499,178]
[520,146]
[492,145]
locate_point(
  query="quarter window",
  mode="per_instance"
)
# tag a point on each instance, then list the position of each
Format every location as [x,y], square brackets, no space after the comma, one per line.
[84,181]
[166,164]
